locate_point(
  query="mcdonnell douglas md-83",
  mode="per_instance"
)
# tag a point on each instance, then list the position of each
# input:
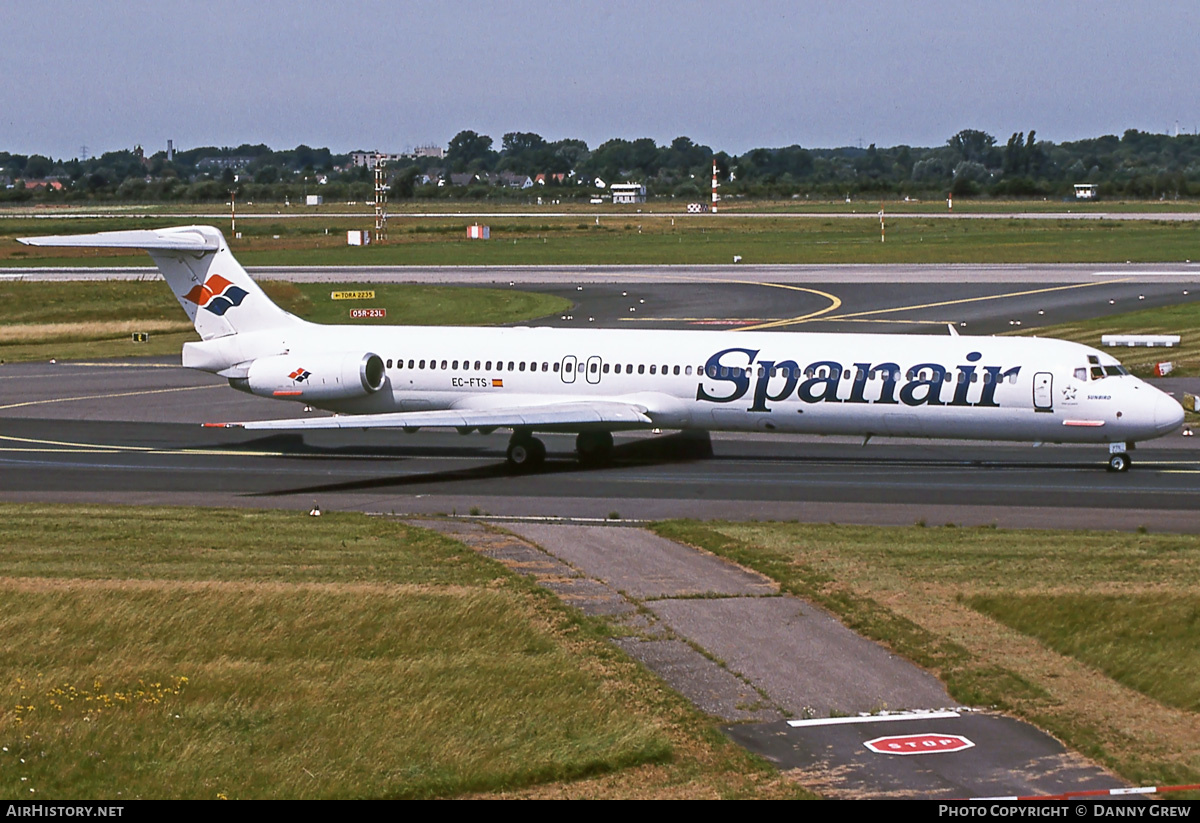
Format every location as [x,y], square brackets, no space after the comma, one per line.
[594,382]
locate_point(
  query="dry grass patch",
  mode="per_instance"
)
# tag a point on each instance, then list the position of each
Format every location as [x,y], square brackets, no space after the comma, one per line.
[930,594]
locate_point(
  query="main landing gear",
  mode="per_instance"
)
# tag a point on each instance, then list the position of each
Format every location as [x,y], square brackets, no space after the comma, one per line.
[594,448]
[1118,458]
[525,452]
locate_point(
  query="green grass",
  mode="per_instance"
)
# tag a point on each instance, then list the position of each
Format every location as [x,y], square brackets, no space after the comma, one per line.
[1148,642]
[206,653]
[40,320]
[1093,636]
[659,239]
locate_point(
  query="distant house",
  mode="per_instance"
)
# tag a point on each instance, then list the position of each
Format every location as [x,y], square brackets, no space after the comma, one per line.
[53,185]
[628,192]
[1086,191]
[514,181]
[463,179]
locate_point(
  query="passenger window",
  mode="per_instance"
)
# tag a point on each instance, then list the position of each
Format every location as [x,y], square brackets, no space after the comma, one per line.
[676,370]
[606,368]
[654,369]
[594,367]
[422,364]
[556,368]
[642,369]
[522,365]
[454,365]
[389,363]
[688,370]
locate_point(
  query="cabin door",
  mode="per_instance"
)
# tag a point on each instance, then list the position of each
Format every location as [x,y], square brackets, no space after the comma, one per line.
[1043,391]
[567,370]
[592,374]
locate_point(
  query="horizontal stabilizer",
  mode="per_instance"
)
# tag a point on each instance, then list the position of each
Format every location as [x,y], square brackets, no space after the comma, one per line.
[552,414]
[178,239]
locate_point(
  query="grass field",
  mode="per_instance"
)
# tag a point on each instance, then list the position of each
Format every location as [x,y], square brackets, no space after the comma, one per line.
[650,239]
[1092,636]
[668,206]
[205,653]
[48,319]
[1182,319]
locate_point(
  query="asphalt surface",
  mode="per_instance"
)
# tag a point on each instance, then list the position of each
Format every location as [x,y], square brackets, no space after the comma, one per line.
[129,433]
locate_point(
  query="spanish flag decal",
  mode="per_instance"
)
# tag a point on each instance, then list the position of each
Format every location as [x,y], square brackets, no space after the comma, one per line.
[497,383]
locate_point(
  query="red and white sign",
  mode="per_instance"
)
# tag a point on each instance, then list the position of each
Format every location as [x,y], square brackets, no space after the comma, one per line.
[919,744]
[361,313]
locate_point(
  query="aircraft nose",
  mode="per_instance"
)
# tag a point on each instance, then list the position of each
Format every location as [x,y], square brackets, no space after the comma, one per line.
[1168,414]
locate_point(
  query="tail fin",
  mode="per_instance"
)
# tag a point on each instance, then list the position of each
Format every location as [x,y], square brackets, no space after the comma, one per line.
[213,288]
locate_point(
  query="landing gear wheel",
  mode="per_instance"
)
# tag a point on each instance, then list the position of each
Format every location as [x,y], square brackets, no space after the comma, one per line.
[594,448]
[1119,462]
[525,453]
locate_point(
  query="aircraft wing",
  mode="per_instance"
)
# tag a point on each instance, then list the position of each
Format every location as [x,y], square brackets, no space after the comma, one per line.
[550,415]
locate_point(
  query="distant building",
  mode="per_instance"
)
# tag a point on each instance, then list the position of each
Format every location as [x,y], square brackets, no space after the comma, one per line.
[210,163]
[628,192]
[513,180]
[1086,191]
[429,151]
[369,158]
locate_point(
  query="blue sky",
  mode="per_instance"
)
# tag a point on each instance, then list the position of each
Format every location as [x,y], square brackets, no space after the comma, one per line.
[391,75]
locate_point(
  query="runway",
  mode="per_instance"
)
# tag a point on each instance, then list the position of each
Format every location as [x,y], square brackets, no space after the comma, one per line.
[129,433]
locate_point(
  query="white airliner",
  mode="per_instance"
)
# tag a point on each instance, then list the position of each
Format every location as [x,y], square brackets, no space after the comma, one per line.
[594,382]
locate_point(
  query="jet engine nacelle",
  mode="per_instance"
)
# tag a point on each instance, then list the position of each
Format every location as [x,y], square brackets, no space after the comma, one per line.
[316,377]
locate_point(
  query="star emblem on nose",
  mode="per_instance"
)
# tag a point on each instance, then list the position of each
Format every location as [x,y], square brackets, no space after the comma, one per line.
[1069,393]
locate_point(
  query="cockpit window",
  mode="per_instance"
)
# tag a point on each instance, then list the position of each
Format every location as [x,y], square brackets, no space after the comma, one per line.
[1097,372]
[1115,371]
[1081,374]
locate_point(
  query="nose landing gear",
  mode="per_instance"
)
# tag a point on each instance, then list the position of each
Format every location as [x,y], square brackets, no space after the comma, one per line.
[1118,457]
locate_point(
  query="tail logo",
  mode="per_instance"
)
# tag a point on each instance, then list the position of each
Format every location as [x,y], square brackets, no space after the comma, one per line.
[218,295]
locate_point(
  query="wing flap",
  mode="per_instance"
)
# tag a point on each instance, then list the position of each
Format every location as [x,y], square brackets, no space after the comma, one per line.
[553,414]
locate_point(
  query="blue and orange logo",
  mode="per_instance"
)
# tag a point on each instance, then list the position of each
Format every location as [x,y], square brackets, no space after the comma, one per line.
[300,375]
[217,295]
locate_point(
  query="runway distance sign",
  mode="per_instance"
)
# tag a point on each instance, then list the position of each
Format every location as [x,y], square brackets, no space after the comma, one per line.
[919,744]
[352,295]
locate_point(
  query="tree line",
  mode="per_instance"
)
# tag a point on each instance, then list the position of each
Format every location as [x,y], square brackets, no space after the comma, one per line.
[971,163]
